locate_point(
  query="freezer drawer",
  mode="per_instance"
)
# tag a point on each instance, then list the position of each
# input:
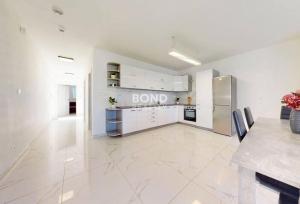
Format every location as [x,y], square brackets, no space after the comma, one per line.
[222,120]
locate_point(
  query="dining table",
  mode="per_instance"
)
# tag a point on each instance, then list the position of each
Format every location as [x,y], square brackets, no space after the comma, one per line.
[269,148]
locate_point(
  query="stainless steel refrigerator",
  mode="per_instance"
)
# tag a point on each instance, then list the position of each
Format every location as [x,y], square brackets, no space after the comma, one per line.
[224,97]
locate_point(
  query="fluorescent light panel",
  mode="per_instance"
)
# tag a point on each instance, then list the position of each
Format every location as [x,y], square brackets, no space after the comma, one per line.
[65,59]
[182,57]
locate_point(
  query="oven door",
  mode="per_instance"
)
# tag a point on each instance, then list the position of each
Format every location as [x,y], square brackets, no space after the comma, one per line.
[190,115]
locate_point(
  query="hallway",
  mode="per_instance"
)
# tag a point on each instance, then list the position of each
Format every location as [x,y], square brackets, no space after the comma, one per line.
[38,177]
[173,164]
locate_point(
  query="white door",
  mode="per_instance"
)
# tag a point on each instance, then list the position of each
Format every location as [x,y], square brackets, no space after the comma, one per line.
[63,96]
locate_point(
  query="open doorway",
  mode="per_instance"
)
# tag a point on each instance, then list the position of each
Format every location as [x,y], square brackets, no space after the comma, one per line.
[66,100]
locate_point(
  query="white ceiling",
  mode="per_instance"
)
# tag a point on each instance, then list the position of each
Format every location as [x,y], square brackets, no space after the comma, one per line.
[142,29]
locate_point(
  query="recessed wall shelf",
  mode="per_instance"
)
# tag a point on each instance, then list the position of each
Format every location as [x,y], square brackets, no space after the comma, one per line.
[113,74]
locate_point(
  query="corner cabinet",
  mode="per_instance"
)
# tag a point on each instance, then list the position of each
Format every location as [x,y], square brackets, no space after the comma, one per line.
[135,78]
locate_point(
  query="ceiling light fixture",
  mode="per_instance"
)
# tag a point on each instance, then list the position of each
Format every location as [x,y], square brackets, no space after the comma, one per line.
[69,73]
[175,53]
[65,59]
[57,10]
[61,28]
[182,57]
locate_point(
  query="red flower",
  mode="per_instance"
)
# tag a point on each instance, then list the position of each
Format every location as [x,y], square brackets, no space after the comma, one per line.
[292,100]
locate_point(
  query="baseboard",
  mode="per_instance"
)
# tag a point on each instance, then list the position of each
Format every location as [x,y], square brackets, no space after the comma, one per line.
[157,127]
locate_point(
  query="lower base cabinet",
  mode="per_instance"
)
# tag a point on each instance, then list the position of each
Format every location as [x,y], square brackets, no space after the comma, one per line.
[136,119]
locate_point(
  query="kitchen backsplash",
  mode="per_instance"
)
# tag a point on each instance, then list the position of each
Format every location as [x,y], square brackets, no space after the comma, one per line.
[125,97]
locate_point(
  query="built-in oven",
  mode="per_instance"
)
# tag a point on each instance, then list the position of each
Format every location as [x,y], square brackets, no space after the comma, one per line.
[190,113]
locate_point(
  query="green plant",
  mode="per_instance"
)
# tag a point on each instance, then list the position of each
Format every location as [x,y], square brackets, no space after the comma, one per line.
[112,100]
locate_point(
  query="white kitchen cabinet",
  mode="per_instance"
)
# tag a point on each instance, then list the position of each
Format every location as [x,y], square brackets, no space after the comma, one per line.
[174,114]
[136,119]
[181,83]
[129,118]
[132,77]
[180,112]
[135,78]
[204,98]
[153,119]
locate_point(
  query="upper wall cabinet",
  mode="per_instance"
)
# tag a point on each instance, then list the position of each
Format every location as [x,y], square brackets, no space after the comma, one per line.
[136,78]
[181,83]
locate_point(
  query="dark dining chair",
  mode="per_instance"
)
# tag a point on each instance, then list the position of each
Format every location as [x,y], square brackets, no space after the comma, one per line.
[287,194]
[285,113]
[249,117]
[239,124]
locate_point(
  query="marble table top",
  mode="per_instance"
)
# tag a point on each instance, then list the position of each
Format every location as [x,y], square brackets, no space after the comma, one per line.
[270,148]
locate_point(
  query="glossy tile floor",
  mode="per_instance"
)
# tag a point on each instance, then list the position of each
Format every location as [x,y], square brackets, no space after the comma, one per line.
[176,164]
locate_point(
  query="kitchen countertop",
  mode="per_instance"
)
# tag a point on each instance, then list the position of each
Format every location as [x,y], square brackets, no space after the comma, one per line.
[154,105]
[270,148]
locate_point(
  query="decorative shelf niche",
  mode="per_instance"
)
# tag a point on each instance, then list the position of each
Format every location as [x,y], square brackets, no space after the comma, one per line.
[113,74]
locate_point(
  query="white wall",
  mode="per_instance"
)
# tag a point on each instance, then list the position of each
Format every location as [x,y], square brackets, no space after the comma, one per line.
[263,76]
[24,115]
[63,96]
[101,92]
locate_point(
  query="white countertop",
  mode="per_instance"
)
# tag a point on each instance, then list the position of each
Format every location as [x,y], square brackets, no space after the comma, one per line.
[270,148]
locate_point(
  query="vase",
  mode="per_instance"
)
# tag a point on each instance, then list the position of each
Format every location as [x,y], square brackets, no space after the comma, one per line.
[113,106]
[295,121]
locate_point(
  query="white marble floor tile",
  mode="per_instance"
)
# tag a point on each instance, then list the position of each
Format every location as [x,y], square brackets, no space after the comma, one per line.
[220,178]
[100,185]
[173,164]
[194,194]
[47,195]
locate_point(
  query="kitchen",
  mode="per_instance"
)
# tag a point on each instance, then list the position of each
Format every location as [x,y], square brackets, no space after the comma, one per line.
[156,112]
[131,119]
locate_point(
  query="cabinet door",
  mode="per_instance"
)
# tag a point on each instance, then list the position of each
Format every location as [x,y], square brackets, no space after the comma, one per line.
[181,83]
[204,98]
[174,114]
[153,117]
[142,118]
[168,82]
[185,82]
[180,113]
[129,120]
[177,83]
[131,77]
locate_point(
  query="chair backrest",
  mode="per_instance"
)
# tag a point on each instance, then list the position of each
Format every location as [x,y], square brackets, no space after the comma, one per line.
[285,113]
[239,124]
[249,117]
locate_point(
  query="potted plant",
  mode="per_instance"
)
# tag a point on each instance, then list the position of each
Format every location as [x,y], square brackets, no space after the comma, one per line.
[293,101]
[177,100]
[112,102]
